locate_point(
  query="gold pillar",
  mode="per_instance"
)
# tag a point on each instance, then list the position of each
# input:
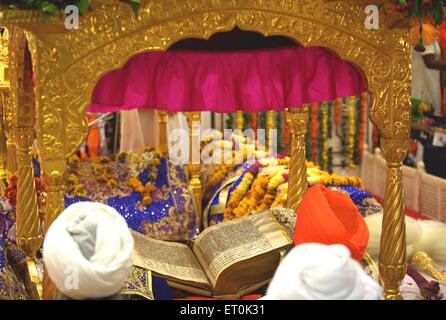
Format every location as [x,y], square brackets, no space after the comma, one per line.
[29,230]
[28,224]
[194,120]
[393,256]
[11,152]
[54,174]
[297,119]
[3,148]
[163,133]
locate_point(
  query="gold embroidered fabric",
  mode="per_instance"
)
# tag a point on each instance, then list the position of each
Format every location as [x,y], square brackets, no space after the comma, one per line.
[139,282]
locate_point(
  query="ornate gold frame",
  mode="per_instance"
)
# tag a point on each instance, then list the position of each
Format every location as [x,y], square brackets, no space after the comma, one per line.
[67,64]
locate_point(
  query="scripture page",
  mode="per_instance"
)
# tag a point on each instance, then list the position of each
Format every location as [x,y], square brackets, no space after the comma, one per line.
[171,259]
[224,244]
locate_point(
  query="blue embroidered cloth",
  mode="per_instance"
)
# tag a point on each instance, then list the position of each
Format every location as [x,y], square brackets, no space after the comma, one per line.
[171,216]
[365,202]
[10,285]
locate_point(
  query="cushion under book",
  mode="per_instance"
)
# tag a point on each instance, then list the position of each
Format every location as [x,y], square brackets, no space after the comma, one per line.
[227,260]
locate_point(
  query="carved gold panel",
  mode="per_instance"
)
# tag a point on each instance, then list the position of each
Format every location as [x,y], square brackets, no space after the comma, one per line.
[67,65]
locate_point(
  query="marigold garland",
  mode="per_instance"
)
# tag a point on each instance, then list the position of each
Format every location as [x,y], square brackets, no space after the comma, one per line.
[279,178]
[120,156]
[147,190]
[324,131]
[329,106]
[351,133]
[229,120]
[308,140]
[144,191]
[337,111]
[10,192]
[71,182]
[239,120]
[80,191]
[254,124]
[281,198]
[319,143]
[220,172]
[74,161]
[240,192]
[361,126]
[258,191]
[286,135]
[344,133]
[357,127]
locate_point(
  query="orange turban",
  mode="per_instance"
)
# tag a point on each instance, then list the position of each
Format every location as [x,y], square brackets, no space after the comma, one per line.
[331,217]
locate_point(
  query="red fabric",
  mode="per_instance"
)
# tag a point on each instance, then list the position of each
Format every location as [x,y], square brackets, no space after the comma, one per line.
[331,217]
[252,81]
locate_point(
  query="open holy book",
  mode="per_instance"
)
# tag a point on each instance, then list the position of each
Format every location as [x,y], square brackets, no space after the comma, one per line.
[227,260]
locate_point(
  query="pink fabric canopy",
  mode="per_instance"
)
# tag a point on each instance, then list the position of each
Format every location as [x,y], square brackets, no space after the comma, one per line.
[253,81]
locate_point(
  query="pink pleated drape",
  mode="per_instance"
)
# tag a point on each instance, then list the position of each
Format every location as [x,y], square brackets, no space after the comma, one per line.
[252,81]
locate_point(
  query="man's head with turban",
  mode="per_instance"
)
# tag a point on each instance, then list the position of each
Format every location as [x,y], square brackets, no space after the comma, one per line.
[331,217]
[314,271]
[88,251]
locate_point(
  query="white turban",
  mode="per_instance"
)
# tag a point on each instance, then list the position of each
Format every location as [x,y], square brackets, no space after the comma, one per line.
[88,251]
[314,271]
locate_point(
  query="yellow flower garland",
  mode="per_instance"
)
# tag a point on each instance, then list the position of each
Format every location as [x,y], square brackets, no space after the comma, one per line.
[271,190]
[281,199]
[324,137]
[80,191]
[147,190]
[351,131]
[74,161]
[237,195]
[253,197]
[264,194]
[71,182]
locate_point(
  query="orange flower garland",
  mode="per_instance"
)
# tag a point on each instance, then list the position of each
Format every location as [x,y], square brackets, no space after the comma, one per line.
[254,124]
[280,177]
[216,177]
[144,191]
[375,138]
[286,135]
[147,190]
[314,129]
[337,111]
[253,197]
[281,199]
[237,195]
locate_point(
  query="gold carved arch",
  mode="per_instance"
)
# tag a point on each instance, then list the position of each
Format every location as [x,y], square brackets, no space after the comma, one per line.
[68,65]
